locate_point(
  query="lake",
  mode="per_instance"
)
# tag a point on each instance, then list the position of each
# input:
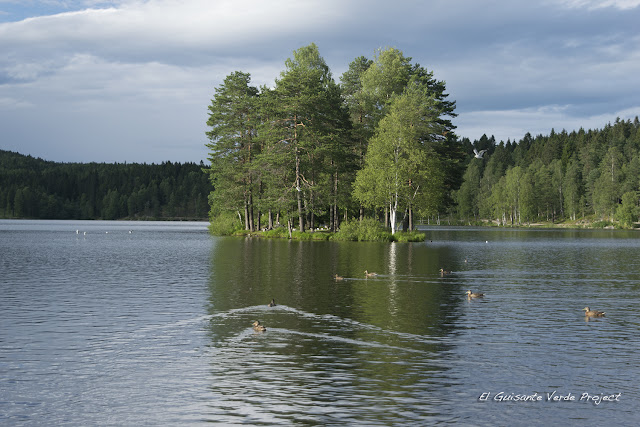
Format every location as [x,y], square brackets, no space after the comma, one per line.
[150,323]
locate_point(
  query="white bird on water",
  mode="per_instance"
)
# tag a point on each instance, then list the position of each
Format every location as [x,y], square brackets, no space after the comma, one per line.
[479,154]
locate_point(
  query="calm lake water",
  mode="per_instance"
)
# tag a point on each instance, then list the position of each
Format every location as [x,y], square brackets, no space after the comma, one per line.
[153,327]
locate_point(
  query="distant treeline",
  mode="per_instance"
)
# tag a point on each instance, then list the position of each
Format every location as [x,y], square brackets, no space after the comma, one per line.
[583,175]
[34,188]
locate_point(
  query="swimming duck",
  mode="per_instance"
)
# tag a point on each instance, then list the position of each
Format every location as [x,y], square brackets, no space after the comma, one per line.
[593,313]
[474,295]
[338,277]
[258,327]
[272,303]
[443,271]
[367,274]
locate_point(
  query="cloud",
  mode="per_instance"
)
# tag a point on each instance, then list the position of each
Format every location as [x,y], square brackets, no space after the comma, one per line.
[131,79]
[12,104]
[514,124]
[168,30]
[601,4]
[137,75]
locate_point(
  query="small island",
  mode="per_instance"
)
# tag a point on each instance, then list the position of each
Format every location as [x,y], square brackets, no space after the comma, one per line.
[315,156]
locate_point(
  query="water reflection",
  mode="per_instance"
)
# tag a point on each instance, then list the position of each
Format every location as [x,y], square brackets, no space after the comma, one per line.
[407,345]
[361,350]
[155,327]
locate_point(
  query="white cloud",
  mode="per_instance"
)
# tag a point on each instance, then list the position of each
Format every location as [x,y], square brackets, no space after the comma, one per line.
[514,124]
[142,29]
[601,4]
[12,103]
[131,74]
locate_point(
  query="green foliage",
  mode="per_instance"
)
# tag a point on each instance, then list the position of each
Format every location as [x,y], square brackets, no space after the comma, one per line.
[627,212]
[35,188]
[401,169]
[233,147]
[602,224]
[225,224]
[306,235]
[368,230]
[278,232]
[295,149]
[467,196]
[409,236]
[580,177]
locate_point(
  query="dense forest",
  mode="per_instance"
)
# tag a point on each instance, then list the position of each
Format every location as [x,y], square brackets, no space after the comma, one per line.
[381,144]
[34,188]
[583,176]
[309,151]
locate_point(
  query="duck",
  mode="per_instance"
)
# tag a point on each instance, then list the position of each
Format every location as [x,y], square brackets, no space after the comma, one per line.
[443,271]
[593,313]
[258,327]
[474,295]
[272,303]
[367,274]
[338,277]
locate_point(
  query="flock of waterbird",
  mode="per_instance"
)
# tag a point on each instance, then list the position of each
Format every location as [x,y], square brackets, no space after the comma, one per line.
[471,295]
[84,233]
[258,327]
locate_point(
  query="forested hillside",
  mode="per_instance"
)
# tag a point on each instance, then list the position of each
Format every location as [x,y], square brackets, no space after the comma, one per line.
[589,175]
[381,144]
[35,188]
[310,151]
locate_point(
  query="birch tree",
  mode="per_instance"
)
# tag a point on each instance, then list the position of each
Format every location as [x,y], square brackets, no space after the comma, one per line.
[401,170]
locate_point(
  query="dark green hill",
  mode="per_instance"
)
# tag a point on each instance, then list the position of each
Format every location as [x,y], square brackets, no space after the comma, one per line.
[35,188]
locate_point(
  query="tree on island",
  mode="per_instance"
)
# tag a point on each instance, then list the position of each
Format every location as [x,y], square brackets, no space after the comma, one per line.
[312,137]
[402,171]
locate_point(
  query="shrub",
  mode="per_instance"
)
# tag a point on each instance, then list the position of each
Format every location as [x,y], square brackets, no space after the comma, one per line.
[601,224]
[301,235]
[225,224]
[410,236]
[627,212]
[278,232]
[368,230]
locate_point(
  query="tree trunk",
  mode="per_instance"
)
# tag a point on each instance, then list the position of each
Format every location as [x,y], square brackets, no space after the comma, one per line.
[392,217]
[246,215]
[410,219]
[298,194]
[332,216]
[334,209]
[386,217]
[251,220]
[405,221]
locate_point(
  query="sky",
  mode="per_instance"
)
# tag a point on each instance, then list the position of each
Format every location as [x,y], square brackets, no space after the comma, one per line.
[131,80]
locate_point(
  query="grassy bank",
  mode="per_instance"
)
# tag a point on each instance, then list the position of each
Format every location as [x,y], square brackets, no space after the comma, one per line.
[367,230]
